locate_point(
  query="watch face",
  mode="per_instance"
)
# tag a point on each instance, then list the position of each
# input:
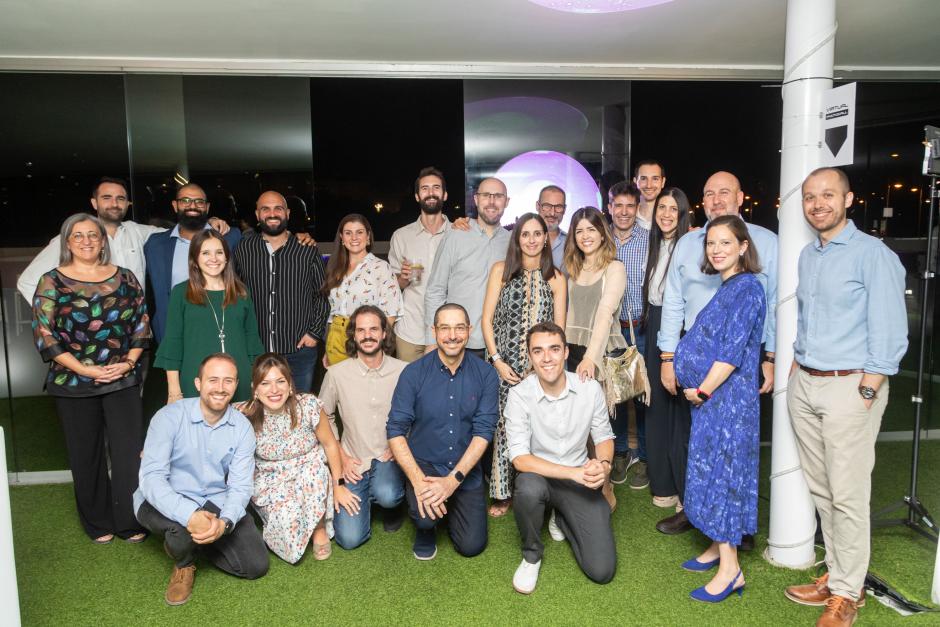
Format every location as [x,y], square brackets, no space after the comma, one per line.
[459,476]
[866,392]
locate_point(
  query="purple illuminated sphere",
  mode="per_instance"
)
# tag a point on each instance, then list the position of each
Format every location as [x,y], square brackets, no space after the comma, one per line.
[597,6]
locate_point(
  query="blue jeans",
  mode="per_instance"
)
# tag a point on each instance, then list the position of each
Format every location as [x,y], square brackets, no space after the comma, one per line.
[303,362]
[621,445]
[384,485]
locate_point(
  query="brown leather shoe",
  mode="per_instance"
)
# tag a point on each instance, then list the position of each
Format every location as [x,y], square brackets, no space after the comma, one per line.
[840,612]
[816,593]
[675,524]
[181,585]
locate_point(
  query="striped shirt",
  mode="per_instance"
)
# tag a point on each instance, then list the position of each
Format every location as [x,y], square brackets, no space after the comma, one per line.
[632,254]
[284,285]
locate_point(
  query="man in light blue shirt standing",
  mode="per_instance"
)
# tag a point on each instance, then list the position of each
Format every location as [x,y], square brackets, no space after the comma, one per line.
[851,335]
[551,206]
[688,290]
[196,480]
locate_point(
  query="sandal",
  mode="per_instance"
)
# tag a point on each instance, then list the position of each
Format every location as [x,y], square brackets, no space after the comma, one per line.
[105,539]
[322,551]
[499,507]
[137,538]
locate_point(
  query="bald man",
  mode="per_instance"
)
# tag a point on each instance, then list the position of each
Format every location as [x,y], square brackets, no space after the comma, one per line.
[167,253]
[688,290]
[284,277]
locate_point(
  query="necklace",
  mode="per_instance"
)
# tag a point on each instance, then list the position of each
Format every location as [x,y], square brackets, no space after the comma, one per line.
[220,327]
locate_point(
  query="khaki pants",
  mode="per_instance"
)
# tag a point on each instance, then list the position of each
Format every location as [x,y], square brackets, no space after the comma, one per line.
[406,351]
[835,437]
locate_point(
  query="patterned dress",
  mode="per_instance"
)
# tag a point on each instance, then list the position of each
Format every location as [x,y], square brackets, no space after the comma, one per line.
[721,475]
[524,301]
[292,490]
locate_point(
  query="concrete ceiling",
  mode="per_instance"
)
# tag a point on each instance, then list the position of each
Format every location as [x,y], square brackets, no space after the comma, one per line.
[891,39]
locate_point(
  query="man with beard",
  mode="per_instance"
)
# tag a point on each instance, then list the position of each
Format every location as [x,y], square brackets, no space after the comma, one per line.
[650,179]
[360,390]
[688,290]
[551,206]
[284,278]
[196,476]
[442,419]
[167,253]
[411,256]
[463,263]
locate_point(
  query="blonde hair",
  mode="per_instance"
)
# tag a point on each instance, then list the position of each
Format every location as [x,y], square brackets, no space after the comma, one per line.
[574,257]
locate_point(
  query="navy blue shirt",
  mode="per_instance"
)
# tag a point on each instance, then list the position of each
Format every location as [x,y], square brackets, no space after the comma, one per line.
[439,412]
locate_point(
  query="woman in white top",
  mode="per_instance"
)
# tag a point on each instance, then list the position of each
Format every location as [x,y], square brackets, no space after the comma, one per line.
[596,283]
[354,277]
[668,419]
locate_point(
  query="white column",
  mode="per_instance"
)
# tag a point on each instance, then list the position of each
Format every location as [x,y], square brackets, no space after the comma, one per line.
[9,601]
[810,45]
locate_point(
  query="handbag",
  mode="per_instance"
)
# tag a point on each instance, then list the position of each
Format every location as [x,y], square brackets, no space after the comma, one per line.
[626,377]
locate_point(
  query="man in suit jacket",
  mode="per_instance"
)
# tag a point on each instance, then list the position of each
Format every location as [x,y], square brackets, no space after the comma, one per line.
[167,253]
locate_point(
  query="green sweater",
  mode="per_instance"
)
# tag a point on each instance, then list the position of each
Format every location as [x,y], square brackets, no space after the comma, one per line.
[192,334]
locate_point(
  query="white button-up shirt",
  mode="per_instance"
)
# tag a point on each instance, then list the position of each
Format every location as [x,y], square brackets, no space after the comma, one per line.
[552,428]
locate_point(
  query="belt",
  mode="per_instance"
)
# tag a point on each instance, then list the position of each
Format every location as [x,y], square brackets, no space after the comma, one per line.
[830,373]
[625,324]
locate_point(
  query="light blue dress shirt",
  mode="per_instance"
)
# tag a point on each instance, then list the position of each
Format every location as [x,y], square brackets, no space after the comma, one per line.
[187,462]
[688,289]
[851,305]
[558,252]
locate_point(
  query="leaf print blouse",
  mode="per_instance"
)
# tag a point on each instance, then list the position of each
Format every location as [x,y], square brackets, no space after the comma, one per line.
[370,283]
[97,322]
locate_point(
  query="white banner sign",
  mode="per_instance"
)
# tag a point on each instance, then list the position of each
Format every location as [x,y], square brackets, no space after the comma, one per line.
[838,125]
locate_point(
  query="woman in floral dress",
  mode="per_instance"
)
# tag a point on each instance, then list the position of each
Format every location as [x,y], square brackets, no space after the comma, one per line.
[354,277]
[521,292]
[293,491]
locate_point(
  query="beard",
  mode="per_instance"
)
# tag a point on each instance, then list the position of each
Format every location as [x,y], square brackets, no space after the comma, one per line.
[374,349]
[273,229]
[433,209]
[192,222]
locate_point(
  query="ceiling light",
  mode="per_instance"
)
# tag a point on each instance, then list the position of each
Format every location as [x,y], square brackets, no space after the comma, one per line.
[898,185]
[895,155]
[597,6]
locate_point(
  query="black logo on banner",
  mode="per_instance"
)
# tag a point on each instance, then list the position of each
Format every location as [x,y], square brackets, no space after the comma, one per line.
[835,138]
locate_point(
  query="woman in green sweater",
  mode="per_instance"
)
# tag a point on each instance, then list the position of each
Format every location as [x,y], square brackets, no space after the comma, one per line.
[210,313]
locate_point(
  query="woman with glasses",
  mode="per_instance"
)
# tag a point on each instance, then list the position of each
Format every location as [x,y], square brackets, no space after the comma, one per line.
[210,313]
[521,292]
[90,322]
[356,277]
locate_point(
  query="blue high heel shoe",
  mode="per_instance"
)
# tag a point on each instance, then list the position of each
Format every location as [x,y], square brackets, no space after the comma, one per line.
[696,566]
[701,594]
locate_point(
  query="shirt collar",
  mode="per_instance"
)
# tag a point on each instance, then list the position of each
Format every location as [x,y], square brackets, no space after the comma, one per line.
[443,367]
[419,225]
[569,388]
[382,370]
[194,412]
[842,238]
[176,231]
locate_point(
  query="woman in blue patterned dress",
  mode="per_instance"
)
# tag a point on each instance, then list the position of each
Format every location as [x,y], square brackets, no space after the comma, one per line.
[522,291]
[717,364]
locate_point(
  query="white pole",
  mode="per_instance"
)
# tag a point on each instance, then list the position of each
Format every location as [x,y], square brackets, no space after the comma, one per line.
[808,60]
[9,600]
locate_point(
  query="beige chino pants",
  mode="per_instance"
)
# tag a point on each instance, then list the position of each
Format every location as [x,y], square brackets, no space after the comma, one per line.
[406,351]
[835,437]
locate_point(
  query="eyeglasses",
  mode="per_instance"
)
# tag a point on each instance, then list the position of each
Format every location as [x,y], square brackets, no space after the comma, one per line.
[547,206]
[91,236]
[185,201]
[460,329]
[491,195]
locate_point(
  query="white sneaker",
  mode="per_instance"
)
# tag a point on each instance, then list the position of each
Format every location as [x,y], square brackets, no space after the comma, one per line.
[666,501]
[527,575]
[554,530]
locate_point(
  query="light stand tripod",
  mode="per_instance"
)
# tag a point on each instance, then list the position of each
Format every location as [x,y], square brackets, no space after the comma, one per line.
[918,518]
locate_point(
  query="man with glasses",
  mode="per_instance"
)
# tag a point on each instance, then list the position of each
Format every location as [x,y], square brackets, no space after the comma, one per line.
[167,253]
[463,262]
[443,415]
[551,206]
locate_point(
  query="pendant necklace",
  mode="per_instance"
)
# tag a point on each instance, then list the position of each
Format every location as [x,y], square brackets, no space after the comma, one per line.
[220,327]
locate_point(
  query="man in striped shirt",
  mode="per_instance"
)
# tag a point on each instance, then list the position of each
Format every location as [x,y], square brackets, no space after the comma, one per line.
[284,278]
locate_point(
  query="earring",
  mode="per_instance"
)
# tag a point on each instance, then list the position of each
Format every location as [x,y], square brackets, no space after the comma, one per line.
[741,254]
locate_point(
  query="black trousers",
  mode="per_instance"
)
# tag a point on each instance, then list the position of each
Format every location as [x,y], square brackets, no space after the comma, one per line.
[241,553]
[668,423]
[582,514]
[105,504]
[466,516]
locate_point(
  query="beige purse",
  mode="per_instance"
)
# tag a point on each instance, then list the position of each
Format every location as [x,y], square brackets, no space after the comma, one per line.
[626,376]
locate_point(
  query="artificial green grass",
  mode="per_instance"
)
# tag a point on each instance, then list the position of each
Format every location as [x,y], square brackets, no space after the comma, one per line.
[65,579]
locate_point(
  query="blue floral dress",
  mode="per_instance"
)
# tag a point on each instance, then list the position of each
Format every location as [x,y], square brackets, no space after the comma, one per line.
[721,476]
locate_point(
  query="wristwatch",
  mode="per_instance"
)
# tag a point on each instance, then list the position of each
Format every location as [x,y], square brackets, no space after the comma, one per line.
[494,358]
[459,476]
[341,481]
[704,396]
[866,392]
[229,525]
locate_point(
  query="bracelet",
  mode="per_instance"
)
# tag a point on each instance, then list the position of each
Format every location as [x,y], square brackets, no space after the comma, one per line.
[769,360]
[702,394]
[605,461]
[130,362]
[666,360]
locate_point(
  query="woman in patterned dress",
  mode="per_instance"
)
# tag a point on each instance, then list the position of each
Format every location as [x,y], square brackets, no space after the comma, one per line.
[354,277]
[522,291]
[90,322]
[293,491]
[717,363]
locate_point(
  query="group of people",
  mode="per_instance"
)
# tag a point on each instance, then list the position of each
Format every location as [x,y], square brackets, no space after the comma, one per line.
[427,424]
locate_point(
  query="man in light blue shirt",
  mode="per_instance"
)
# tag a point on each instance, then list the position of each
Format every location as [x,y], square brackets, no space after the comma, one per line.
[196,480]
[551,206]
[688,290]
[851,335]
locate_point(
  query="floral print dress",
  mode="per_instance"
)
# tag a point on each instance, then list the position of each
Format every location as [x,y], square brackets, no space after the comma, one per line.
[370,283]
[292,487]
